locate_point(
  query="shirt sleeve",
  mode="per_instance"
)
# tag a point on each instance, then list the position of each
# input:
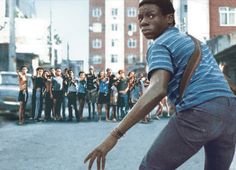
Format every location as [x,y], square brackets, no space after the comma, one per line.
[159,57]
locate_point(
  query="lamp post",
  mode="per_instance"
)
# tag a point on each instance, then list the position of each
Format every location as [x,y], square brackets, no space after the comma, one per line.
[12,39]
[68,55]
[50,37]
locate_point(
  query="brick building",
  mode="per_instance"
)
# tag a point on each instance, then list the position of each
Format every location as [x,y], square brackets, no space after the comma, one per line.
[223,33]
[115,40]
[206,19]
[222,17]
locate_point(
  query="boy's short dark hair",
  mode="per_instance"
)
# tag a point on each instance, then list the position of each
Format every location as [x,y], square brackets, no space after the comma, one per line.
[120,71]
[81,72]
[166,6]
[131,72]
[69,70]
[39,68]
[22,67]
[108,69]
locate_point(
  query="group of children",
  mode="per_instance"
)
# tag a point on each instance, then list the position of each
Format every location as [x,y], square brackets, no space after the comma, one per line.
[54,91]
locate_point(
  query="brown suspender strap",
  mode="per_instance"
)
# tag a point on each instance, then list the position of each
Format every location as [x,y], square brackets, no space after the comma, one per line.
[191,66]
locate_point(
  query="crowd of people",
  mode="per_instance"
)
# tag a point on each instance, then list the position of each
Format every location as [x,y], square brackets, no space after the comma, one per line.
[55,90]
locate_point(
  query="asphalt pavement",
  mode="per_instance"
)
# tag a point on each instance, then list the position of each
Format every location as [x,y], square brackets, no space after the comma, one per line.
[64,145]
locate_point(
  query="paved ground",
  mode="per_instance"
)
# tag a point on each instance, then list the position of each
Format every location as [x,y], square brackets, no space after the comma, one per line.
[63,146]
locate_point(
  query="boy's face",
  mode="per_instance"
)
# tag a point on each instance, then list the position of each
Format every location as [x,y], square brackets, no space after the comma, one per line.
[24,70]
[132,74]
[71,73]
[91,70]
[46,74]
[108,72]
[152,22]
[102,74]
[82,75]
[122,74]
[53,71]
[40,72]
[58,72]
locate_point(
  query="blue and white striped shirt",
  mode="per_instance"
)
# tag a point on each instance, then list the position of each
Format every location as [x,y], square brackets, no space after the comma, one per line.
[171,51]
[103,86]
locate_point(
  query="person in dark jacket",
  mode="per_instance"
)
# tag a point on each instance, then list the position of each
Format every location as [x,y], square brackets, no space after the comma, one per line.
[92,92]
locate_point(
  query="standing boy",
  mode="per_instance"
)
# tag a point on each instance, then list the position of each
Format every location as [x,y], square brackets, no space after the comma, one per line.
[205,114]
[23,93]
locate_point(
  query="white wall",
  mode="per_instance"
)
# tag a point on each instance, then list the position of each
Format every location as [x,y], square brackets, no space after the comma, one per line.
[31,37]
[198,19]
[2,10]
[118,35]
[176,4]
[31,34]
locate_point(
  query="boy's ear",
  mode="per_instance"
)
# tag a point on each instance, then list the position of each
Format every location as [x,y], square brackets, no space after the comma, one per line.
[170,18]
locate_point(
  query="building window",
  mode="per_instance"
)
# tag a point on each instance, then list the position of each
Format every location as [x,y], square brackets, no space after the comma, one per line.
[132,43]
[132,58]
[114,12]
[97,43]
[114,27]
[185,8]
[96,59]
[114,58]
[114,42]
[227,16]
[97,27]
[97,12]
[7,9]
[132,27]
[132,12]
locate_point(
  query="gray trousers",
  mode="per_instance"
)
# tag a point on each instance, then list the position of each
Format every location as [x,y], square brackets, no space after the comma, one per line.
[211,125]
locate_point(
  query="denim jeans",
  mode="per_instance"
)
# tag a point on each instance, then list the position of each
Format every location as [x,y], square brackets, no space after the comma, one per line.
[48,106]
[211,125]
[123,102]
[72,101]
[37,103]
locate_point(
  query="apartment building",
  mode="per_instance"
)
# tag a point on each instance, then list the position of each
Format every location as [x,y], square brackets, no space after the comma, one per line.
[223,33]
[115,40]
[206,19]
[222,17]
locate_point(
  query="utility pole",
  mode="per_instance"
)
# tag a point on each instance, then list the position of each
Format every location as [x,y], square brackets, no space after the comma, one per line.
[12,37]
[50,37]
[68,55]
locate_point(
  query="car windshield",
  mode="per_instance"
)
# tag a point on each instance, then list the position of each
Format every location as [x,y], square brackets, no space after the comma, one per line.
[8,79]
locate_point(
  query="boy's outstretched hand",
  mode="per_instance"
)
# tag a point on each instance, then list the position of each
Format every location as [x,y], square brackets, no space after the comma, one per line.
[100,152]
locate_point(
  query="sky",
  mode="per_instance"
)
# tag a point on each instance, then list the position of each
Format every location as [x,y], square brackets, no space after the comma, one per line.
[70,19]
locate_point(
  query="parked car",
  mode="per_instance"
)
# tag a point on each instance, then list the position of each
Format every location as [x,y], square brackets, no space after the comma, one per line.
[9,90]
